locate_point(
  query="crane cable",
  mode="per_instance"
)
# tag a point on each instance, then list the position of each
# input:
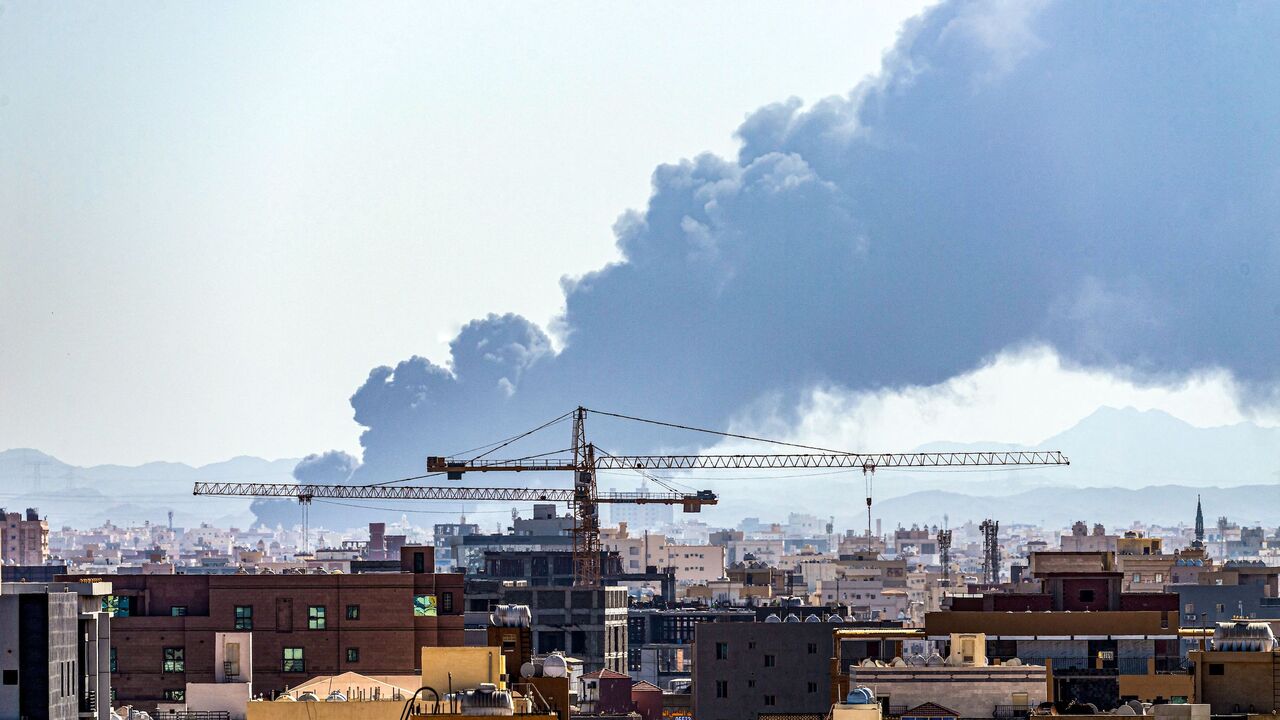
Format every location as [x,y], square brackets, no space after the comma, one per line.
[721,433]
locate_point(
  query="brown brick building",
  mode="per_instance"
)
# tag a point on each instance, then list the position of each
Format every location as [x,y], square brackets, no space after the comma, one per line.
[163,632]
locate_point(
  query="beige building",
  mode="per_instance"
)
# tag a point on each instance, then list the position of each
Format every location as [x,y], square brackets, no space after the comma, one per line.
[26,538]
[1082,540]
[692,564]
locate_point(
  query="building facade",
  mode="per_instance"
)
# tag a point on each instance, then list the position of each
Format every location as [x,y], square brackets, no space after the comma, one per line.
[25,540]
[745,670]
[165,627]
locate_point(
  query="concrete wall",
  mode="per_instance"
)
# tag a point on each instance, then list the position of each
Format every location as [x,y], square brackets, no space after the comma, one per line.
[232,698]
[462,667]
[1247,682]
[971,692]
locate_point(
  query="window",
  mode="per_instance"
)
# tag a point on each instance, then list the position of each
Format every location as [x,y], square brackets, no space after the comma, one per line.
[113,659]
[751,683]
[244,617]
[353,612]
[1220,608]
[315,617]
[425,605]
[722,688]
[770,660]
[813,687]
[1159,577]
[293,660]
[10,677]
[353,655]
[178,610]
[751,645]
[1190,608]
[118,605]
[1086,596]
[174,660]
[446,602]
[813,648]
[175,695]
[1137,577]
[722,651]
[1217,669]
[770,700]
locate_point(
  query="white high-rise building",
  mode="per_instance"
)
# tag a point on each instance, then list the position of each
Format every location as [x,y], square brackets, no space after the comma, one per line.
[648,516]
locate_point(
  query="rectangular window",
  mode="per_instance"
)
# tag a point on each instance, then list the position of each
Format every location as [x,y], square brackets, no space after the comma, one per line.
[813,687]
[425,605]
[722,688]
[1217,669]
[1159,577]
[446,602]
[353,655]
[244,617]
[353,612]
[178,610]
[770,700]
[1137,577]
[813,648]
[722,651]
[1086,596]
[175,695]
[174,660]
[315,617]
[117,605]
[293,660]
[113,659]
[770,660]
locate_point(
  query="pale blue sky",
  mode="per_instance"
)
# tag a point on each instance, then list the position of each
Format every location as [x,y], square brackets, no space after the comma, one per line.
[215,218]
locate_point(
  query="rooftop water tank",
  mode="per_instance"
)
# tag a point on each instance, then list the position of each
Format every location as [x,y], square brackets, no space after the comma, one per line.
[511,616]
[860,696]
[554,665]
[488,700]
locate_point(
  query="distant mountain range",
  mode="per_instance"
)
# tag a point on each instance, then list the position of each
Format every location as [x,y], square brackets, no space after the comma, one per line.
[85,496]
[1126,465]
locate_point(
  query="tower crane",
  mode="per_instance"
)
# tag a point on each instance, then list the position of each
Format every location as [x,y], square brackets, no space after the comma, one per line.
[587,460]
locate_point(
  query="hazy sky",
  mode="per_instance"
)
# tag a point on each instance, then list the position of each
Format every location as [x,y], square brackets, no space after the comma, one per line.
[215,218]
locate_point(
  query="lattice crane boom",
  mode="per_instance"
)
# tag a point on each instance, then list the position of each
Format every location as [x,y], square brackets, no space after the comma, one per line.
[307,491]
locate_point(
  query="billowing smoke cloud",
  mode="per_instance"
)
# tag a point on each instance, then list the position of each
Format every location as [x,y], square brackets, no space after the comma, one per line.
[1100,178]
[329,468]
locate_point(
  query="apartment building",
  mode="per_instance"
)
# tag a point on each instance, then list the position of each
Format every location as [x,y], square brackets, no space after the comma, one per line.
[25,539]
[165,627]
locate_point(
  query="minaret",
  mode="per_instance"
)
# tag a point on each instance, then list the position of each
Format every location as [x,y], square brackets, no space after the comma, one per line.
[1199,541]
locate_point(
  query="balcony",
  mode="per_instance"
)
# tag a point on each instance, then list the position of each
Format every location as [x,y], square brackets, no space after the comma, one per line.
[1011,711]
